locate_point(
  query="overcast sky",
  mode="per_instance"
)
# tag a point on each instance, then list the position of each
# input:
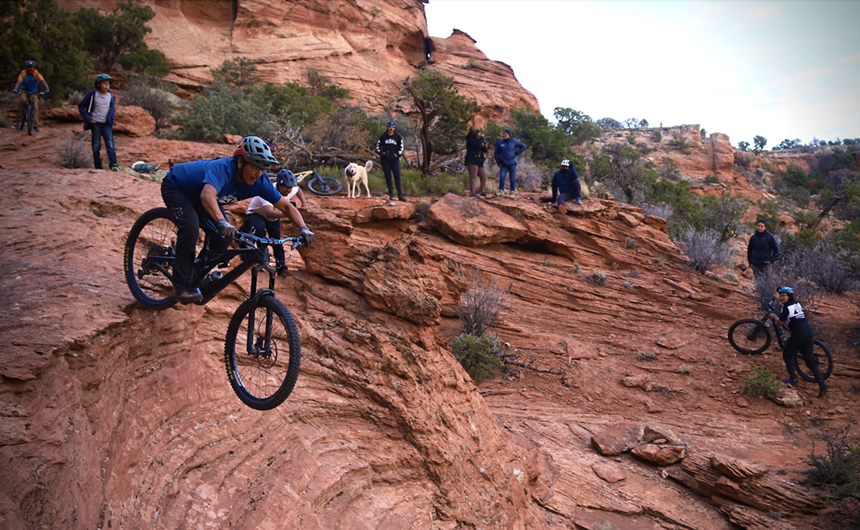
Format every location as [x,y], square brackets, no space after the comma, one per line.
[786,69]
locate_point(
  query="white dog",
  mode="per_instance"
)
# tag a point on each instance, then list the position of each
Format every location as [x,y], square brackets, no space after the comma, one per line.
[356,174]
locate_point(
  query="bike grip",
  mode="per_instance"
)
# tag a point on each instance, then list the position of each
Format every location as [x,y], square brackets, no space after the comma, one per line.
[15,91]
[46,91]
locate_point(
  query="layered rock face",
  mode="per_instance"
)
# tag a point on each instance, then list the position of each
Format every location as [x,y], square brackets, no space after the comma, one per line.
[367,47]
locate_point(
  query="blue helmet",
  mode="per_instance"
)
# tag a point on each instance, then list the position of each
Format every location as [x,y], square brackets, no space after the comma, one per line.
[30,64]
[785,290]
[287,178]
[391,124]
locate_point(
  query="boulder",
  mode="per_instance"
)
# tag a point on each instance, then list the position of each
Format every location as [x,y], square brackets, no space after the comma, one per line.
[789,398]
[472,222]
[616,440]
[130,120]
[661,455]
[655,432]
[637,380]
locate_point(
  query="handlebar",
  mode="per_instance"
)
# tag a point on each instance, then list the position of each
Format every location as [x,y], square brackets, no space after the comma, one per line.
[245,237]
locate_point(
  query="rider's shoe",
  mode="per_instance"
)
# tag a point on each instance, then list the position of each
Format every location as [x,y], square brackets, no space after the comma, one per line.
[822,388]
[36,129]
[579,200]
[188,294]
[562,209]
[792,382]
[114,167]
[282,271]
[401,198]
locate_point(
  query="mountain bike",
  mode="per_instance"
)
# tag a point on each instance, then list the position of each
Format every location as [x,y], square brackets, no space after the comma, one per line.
[319,184]
[29,116]
[752,336]
[262,351]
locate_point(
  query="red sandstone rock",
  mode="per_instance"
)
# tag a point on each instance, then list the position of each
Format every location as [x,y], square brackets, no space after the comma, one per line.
[661,455]
[617,440]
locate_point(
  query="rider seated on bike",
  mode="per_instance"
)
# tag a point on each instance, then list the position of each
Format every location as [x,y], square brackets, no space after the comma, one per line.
[263,218]
[28,81]
[200,188]
[801,339]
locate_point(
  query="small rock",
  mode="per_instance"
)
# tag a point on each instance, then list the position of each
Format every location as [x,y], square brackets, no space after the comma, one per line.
[616,440]
[655,432]
[839,410]
[741,402]
[662,455]
[635,380]
[608,472]
[654,408]
[789,398]
[659,441]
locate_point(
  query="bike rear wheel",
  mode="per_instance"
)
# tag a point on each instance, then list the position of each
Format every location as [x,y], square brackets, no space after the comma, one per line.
[325,185]
[825,362]
[749,336]
[262,363]
[148,260]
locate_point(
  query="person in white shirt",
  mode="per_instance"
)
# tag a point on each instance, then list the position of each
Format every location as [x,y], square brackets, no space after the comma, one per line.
[264,219]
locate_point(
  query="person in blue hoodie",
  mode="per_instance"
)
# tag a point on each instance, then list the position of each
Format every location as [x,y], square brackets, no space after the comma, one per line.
[565,185]
[762,250]
[506,152]
[98,109]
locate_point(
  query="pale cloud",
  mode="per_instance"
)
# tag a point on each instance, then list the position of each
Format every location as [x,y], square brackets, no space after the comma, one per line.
[851,59]
[763,12]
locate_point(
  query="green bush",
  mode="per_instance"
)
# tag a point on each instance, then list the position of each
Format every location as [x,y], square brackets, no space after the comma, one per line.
[477,357]
[657,136]
[762,382]
[838,472]
[842,159]
[224,110]
[712,179]
[238,72]
[548,145]
[145,61]
[293,103]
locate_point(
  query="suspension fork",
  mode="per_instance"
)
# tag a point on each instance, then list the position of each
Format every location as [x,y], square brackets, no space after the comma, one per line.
[255,297]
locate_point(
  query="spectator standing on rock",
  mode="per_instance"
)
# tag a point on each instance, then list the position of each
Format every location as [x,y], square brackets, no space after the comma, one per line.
[476,151]
[390,149]
[506,152]
[762,250]
[801,339]
[263,218]
[28,82]
[565,185]
[98,109]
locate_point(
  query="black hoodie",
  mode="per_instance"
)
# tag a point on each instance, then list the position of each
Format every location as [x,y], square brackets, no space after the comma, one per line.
[762,248]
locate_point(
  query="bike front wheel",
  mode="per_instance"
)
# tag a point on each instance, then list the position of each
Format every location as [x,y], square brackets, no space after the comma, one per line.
[262,358]
[148,259]
[749,336]
[30,111]
[825,362]
[325,185]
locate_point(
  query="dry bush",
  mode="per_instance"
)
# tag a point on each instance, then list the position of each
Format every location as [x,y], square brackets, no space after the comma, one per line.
[72,152]
[705,249]
[530,177]
[153,100]
[597,278]
[657,210]
[630,243]
[482,303]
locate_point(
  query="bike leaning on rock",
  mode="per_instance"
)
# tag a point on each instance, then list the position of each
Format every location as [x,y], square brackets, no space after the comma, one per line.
[262,351]
[751,336]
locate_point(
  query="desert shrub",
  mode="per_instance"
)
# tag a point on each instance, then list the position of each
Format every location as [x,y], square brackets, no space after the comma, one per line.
[646,356]
[657,210]
[531,177]
[632,273]
[679,142]
[762,382]
[732,277]
[414,184]
[628,285]
[705,249]
[547,144]
[477,357]
[154,99]
[841,159]
[322,86]
[294,104]
[630,243]
[482,303]
[657,135]
[72,152]
[712,179]
[145,61]
[837,470]
[238,72]
[223,110]
[684,370]
[597,278]
[824,267]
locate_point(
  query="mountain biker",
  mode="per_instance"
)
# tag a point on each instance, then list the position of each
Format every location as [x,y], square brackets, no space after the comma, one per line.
[201,188]
[98,109]
[505,153]
[801,339]
[263,218]
[565,185]
[28,81]
[390,149]
[762,250]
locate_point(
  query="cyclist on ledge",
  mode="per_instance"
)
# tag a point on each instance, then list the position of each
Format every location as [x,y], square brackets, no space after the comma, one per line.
[200,188]
[801,339]
[28,81]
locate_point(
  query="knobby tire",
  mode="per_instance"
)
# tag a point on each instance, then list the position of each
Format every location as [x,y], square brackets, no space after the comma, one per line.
[30,114]
[325,186]
[749,336]
[265,380]
[154,233]
[825,362]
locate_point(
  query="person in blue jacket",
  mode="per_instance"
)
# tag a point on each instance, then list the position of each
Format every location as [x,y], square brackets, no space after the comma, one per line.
[200,189]
[98,109]
[506,152]
[565,185]
[28,82]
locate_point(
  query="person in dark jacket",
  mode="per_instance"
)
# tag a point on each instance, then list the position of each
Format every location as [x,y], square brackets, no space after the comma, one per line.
[762,250]
[98,109]
[476,150]
[506,152]
[801,339]
[565,185]
[390,149]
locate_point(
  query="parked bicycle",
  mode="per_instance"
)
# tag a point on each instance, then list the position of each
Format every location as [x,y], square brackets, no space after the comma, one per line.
[262,351]
[319,184]
[29,117]
[751,336]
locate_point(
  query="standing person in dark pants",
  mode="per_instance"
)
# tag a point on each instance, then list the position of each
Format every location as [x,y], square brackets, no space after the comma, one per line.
[762,250]
[506,152]
[390,149]
[476,151]
[801,340]
[565,185]
[98,109]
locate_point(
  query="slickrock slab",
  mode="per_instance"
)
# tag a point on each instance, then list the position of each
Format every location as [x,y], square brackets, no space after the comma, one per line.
[608,472]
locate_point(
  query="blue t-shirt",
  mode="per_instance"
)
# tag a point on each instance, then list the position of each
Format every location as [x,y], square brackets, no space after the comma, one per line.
[221,174]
